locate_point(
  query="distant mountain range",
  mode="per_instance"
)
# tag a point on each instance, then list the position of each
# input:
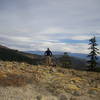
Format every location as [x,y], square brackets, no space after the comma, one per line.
[77,55]
[59,53]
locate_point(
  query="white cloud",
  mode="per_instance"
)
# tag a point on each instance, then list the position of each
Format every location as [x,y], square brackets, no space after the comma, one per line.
[36,25]
[80,37]
[53,30]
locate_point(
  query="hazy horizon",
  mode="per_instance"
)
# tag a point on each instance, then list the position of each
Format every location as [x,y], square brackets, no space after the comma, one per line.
[61,25]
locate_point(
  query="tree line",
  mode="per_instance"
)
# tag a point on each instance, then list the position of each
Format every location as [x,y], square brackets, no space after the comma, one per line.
[92,56]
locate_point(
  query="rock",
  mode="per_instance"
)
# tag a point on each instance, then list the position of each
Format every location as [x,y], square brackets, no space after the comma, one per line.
[77,93]
[63,97]
[98,86]
[87,85]
[53,70]
[39,97]
[93,92]
[72,82]
[73,98]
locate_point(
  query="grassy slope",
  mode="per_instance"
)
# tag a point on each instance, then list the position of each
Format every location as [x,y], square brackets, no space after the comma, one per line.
[7,54]
[54,80]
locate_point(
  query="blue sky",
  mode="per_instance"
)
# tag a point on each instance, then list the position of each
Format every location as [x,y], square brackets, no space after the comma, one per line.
[61,25]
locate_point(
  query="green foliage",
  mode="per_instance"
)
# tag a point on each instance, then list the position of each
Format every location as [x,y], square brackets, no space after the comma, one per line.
[14,55]
[65,61]
[97,69]
[92,62]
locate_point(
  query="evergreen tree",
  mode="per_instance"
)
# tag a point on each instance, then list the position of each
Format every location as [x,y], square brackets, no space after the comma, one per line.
[92,62]
[65,61]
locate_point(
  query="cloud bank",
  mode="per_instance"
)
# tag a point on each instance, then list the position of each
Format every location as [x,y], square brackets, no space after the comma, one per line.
[61,25]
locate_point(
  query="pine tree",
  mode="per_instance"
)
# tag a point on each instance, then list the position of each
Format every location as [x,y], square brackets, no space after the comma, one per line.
[92,62]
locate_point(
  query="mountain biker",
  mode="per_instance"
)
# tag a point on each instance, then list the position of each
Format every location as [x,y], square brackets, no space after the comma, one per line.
[48,55]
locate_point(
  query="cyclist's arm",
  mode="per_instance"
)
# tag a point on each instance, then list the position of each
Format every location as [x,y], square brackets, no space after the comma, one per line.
[51,53]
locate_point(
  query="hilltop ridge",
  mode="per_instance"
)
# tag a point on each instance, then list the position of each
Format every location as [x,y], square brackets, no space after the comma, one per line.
[7,54]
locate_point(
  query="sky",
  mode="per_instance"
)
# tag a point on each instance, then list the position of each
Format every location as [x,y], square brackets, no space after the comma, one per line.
[61,25]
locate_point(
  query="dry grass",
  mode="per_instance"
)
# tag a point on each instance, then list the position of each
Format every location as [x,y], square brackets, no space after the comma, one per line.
[56,80]
[96,89]
[12,79]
